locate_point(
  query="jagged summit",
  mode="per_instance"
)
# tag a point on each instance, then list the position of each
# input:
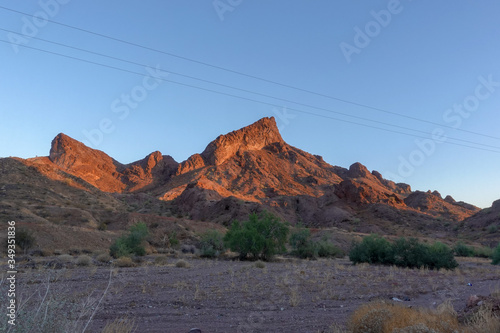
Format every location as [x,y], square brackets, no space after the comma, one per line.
[246,170]
[68,152]
[253,137]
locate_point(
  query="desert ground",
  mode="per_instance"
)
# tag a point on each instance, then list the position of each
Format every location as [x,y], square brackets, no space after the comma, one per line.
[178,292]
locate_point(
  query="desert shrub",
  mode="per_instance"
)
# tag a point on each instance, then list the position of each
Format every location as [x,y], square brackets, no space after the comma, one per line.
[121,325]
[462,250]
[403,253]
[212,244]
[493,228]
[124,262]
[182,264]
[327,249]
[103,257]
[381,317]
[409,253]
[84,260]
[302,245]
[102,226]
[25,239]
[65,258]
[495,257]
[262,236]
[372,249]
[173,240]
[440,256]
[132,243]
[160,261]
[260,264]
[483,252]
[74,251]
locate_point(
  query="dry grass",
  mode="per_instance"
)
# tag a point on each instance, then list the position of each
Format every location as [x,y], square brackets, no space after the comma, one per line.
[483,321]
[260,264]
[124,262]
[391,318]
[103,257]
[160,261]
[84,260]
[182,264]
[120,326]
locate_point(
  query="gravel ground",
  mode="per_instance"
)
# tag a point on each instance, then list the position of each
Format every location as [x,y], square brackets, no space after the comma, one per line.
[288,295]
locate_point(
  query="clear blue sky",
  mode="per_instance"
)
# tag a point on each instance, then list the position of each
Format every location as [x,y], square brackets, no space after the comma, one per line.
[436,61]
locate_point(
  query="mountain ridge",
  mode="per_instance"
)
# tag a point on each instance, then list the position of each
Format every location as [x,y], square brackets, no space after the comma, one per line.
[247,170]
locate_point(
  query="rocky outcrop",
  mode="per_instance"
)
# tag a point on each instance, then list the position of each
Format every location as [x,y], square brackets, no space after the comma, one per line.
[91,165]
[253,137]
[432,203]
[251,169]
[105,173]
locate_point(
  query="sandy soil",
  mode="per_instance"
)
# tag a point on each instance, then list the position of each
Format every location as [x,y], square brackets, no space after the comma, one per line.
[288,295]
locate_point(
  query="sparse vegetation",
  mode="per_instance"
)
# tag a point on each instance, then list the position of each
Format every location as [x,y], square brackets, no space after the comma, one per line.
[483,252]
[131,244]
[25,239]
[260,264]
[403,253]
[262,236]
[495,257]
[304,247]
[120,325]
[212,244]
[462,250]
[103,257]
[84,260]
[182,264]
[124,262]
[381,317]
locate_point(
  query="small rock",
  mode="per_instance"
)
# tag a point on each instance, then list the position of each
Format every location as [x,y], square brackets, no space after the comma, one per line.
[195,330]
[472,301]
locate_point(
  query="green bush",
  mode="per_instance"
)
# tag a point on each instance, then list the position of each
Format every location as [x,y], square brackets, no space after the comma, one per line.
[439,256]
[262,236]
[403,253]
[25,239]
[327,249]
[372,249]
[301,244]
[462,250]
[173,240]
[483,252]
[212,244]
[409,253]
[496,256]
[132,243]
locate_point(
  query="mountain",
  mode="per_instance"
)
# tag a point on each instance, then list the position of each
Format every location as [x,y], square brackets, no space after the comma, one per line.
[247,170]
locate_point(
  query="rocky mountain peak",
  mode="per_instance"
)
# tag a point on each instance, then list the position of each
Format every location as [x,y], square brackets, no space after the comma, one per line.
[357,170]
[67,152]
[253,137]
